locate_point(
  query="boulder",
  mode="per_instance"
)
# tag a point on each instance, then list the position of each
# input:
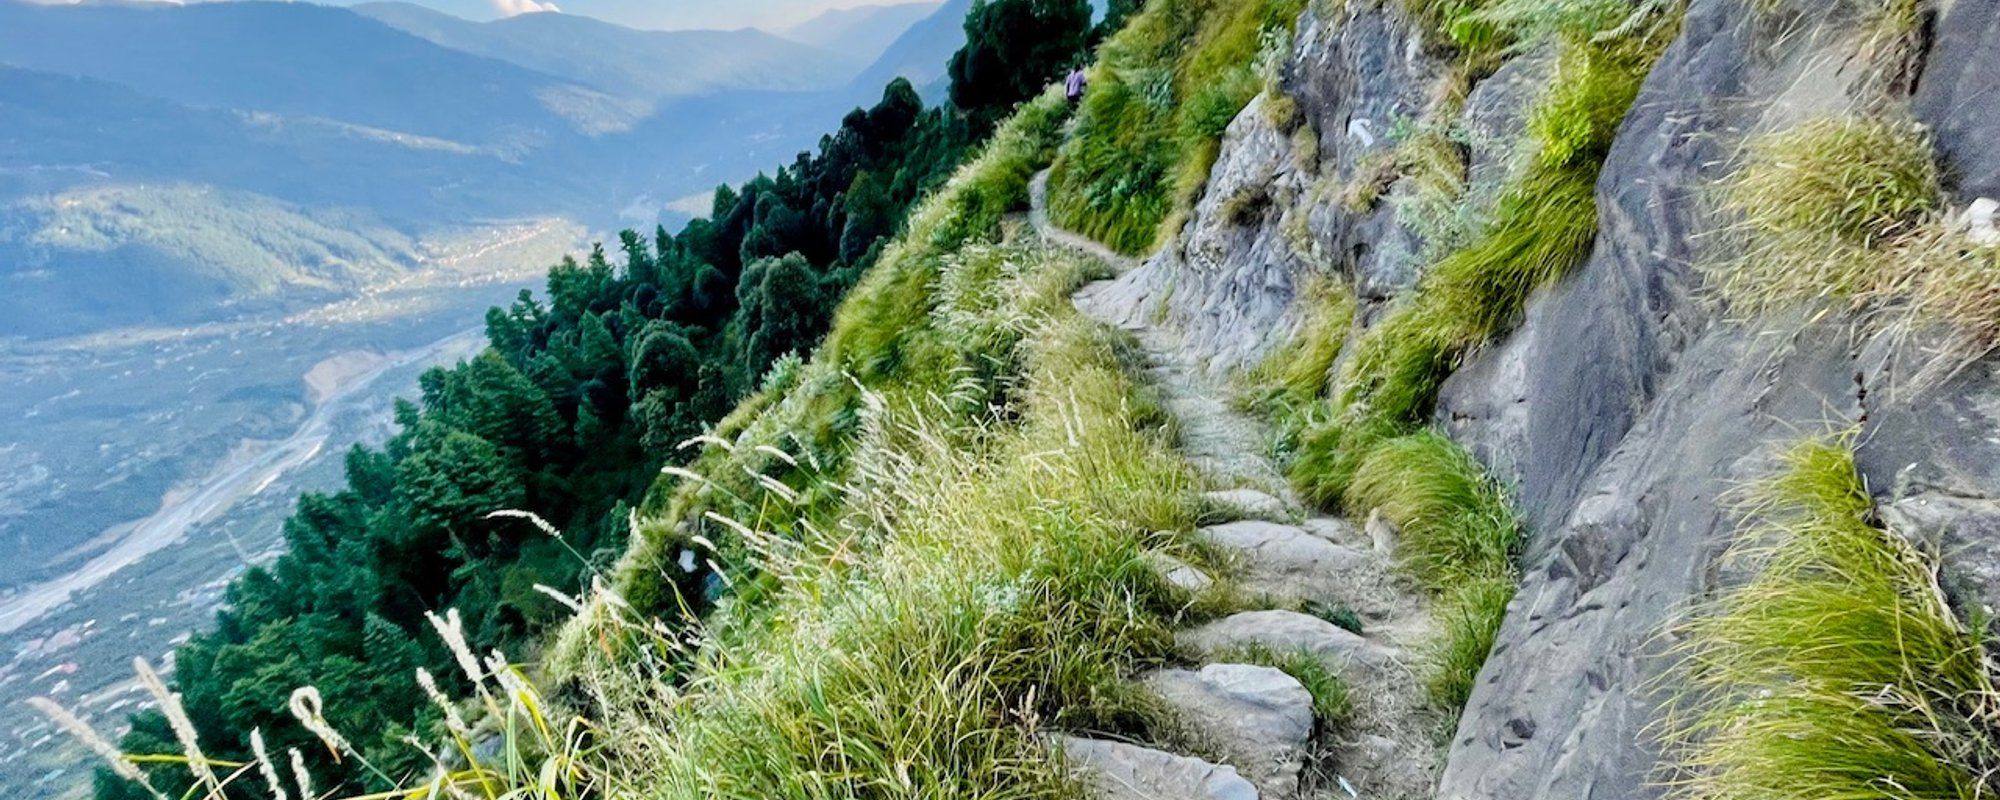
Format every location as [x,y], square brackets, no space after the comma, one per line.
[1258,718]
[1119,771]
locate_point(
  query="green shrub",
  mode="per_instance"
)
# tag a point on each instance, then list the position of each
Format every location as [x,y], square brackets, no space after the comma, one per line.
[1840,670]
[1163,90]
[1455,522]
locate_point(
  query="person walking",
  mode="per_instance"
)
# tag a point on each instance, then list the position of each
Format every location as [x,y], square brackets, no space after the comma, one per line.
[1073,85]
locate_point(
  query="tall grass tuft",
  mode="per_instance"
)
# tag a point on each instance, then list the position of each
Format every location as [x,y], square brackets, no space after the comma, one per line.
[1455,523]
[1820,206]
[1459,540]
[1848,212]
[1840,670]
[1469,617]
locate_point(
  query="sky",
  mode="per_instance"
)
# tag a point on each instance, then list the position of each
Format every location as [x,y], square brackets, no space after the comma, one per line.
[654,14]
[647,14]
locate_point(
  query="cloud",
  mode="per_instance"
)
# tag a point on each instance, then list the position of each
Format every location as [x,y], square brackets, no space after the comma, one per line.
[508,8]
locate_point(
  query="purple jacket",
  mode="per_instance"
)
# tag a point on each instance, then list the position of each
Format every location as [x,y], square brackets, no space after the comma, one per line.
[1073,86]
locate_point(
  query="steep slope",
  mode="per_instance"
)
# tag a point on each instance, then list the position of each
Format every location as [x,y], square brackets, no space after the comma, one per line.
[643,65]
[860,29]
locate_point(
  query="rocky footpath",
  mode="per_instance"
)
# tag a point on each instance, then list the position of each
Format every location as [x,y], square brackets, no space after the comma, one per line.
[1623,407]
[1250,729]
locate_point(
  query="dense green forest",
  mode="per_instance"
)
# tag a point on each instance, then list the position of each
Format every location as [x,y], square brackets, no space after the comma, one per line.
[571,413]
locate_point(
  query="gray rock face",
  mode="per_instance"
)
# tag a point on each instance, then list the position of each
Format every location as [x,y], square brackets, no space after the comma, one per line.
[1934,463]
[1957,94]
[1269,216]
[1119,771]
[1228,288]
[1622,409]
[1623,406]
[1258,718]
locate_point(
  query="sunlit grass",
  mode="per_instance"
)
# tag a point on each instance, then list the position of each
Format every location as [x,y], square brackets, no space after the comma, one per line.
[1841,669]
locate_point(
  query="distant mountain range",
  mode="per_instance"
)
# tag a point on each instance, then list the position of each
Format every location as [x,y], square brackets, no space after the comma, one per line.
[646,65]
[861,29]
[310,147]
[920,52]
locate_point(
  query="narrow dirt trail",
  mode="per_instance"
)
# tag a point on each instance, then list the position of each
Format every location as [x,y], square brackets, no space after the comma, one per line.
[1292,561]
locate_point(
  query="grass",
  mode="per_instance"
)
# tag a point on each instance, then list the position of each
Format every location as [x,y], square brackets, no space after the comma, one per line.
[1482,31]
[929,560]
[1161,93]
[1455,523]
[1840,670]
[1819,205]
[1469,618]
[974,593]
[1847,212]
[1298,372]
[1459,541]
[797,433]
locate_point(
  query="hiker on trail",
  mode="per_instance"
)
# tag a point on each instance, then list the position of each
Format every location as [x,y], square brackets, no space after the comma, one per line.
[1073,85]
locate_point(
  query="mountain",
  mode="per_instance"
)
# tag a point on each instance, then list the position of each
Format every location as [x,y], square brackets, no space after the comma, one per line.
[643,65]
[303,60]
[861,29]
[223,120]
[920,53]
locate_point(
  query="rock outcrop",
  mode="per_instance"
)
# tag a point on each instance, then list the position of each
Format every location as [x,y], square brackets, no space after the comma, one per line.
[1623,407]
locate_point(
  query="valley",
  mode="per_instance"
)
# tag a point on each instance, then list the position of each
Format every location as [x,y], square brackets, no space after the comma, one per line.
[210,432]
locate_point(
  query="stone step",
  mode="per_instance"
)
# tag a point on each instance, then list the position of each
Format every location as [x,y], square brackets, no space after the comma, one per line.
[1119,771]
[1344,533]
[1248,504]
[1288,562]
[1257,718]
[1177,572]
[1289,631]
